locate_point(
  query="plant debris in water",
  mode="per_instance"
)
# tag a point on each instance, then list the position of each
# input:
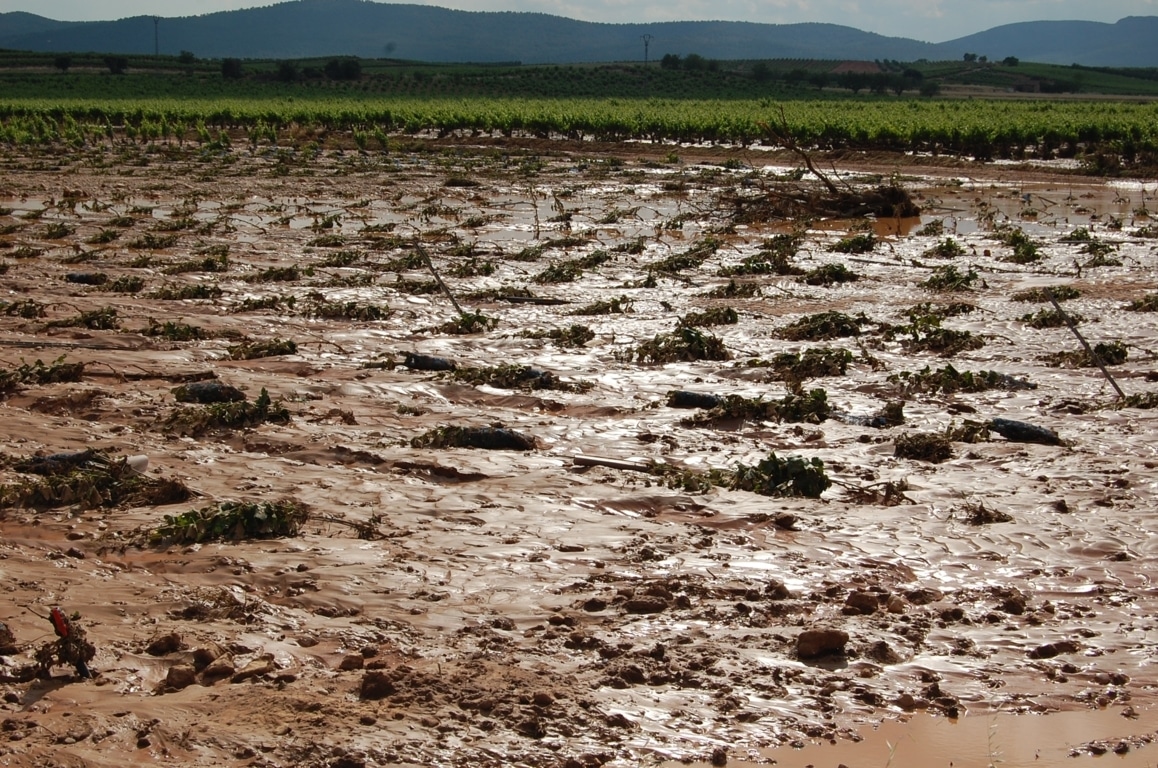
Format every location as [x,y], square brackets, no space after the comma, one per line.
[863,242]
[684,344]
[1041,295]
[468,323]
[1114,353]
[1050,318]
[823,326]
[946,249]
[692,258]
[254,350]
[927,335]
[947,279]
[796,407]
[708,318]
[976,513]
[39,374]
[812,363]
[1024,249]
[734,290]
[574,335]
[774,476]
[1148,303]
[949,380]
[87,480]
[240,414]
[517,377]
[617,306]
[829,274]
[923,446]
[775,258]
[232,521]
[490,438]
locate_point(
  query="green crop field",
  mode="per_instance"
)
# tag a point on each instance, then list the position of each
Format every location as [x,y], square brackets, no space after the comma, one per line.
[163,99]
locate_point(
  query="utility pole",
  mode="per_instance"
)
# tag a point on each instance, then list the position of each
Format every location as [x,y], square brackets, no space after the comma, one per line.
[156,35]
[646,42]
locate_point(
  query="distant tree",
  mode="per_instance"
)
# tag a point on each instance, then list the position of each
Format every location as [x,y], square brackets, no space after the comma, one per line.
[287,71]
[117,64]
[913,74]
[761,72]
[854,81]
[1011,61]
[62,63]
[880,82]
[670,61]
[713,65]
[186,58]
[344,69]
[694,62]
[819,80]
[982,59]
[970,57]
[231,69]
[930,88]
[796,76]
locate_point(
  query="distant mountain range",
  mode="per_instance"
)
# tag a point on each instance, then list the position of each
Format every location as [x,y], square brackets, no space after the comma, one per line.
[320,28]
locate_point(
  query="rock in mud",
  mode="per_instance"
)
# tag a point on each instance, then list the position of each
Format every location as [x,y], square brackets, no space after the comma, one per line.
[680,398]
[813,643]
[351,662]
[376,685]
[645,605]
[1050,650]
[7,641]
[180,676]
[417,362]
[162,645]
[775,590]
[259,667]
[1023,432]
[219,668]
[861,603]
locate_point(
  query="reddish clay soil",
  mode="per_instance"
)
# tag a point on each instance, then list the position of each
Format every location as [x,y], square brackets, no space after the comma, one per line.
[471,607]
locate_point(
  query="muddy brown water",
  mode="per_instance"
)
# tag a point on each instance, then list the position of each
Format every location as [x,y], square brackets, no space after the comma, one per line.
[506,599]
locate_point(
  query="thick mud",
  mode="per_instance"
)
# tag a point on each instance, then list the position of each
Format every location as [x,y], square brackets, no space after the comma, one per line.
[519,607]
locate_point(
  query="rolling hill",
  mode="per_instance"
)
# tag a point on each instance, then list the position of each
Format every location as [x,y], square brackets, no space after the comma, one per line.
[312,28]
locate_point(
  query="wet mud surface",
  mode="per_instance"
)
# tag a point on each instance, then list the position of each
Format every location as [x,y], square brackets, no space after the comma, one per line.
[516,607]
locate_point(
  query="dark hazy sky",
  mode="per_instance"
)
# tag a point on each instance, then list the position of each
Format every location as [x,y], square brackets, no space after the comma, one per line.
[930,20]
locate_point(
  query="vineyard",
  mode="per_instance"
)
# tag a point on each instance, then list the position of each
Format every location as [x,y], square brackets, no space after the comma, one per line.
[979,129]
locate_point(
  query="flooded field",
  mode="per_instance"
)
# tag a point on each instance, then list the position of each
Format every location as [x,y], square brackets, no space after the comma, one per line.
[909,524]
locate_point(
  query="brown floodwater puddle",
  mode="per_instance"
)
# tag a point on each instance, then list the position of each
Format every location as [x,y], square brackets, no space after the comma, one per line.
[981,741]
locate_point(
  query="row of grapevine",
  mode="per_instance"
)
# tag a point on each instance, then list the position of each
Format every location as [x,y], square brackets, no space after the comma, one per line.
[978,128]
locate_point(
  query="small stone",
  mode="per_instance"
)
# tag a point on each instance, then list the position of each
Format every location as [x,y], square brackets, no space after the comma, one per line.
[367,720]
[645,605]
[76,553]
[896,604]
[775,590]
[220,667]
[594,605]
[906,702]
[376,685]
[812,643]
[351,662]
[543,699]
[259,667]
[180,676]
[863,603]
[720,756]
[206,655]
[8,645]
[307,641]
[162,645]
